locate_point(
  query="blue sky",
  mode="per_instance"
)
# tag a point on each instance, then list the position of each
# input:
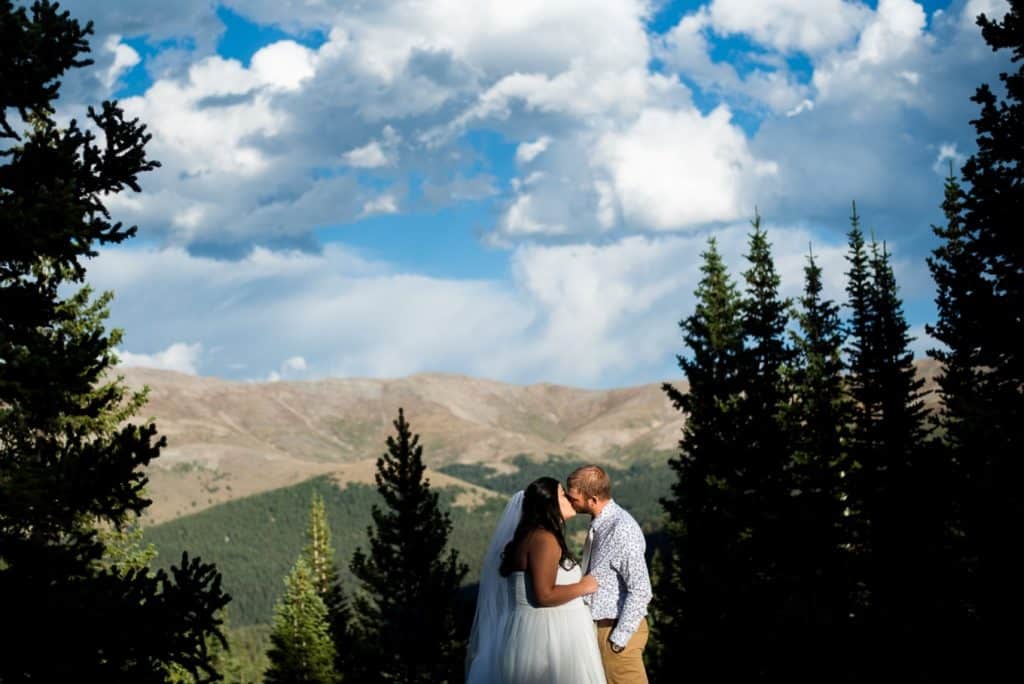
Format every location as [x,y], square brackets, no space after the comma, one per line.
[519,191]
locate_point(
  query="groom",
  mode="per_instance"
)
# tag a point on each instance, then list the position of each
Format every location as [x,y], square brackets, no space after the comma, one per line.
[614,554]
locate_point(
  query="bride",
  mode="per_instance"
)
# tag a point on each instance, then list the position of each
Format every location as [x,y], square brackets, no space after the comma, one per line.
[531,625]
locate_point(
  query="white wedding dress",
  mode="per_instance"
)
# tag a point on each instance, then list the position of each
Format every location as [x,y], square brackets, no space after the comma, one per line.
[548,645]
[515,641]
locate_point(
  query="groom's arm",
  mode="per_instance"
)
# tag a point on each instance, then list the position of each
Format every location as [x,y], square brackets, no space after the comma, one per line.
[631,566]
[543,556]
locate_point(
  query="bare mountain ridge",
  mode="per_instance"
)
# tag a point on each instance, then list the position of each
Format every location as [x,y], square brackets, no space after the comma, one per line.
[230,439]
[459,418]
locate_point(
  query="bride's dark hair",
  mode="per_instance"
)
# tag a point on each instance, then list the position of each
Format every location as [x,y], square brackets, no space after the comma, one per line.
[540,511]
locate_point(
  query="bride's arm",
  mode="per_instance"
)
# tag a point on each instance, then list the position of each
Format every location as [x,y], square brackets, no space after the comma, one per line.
[543,555]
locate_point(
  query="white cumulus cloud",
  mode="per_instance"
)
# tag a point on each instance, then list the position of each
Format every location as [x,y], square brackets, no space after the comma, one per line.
[679,169]
[125,57]
[284,65]
[179,356]
[291,368]
[788,25]
[300,138]
[594,315]
[528,151]
[385,204]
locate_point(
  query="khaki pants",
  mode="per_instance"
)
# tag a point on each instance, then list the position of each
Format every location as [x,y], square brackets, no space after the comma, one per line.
[626,667]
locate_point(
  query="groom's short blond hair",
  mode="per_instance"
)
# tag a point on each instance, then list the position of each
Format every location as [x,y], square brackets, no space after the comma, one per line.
[591,480]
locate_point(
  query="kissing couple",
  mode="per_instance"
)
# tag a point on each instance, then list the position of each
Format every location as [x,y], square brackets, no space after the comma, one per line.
[542,617]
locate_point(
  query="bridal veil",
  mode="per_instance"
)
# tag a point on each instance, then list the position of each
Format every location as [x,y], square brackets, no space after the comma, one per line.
[492,604]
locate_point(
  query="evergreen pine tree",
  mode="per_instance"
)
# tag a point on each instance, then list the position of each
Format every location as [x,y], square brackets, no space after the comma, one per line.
[763,477]
[902,424]
[864,390]
[994,204]
[895,489]
[818,420]
[962,294]
[863,383]
[405,614]
[704,585]
[906,520]
[302,650]
[986,401]
[661,627]
[319,554]
[226,664]
[765,317]
[70,460]
[124,549]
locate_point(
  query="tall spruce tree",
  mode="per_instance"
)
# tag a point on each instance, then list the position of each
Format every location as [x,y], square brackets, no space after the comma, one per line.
[70,461]
[995,200]
[912,580]
[895,491]
[990,434]
[765,317]
[405,615]
[864,390]
[766,501]
[862,363]
[962,294]
[704,586]
[817,420]
[902,419]
[302,650]
[319,555]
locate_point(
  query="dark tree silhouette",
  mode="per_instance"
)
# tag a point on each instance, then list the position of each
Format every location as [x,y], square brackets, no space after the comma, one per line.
[962,293]
[896,485]
[763,477]
[69,460]
[405,613]
[818,423]
[979,270]
[703,587]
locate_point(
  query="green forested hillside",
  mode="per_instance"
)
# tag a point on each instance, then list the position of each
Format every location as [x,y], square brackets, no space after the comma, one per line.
[636,486]
[254,541]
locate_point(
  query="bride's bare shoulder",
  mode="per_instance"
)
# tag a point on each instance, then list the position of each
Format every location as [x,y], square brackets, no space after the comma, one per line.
[542,538]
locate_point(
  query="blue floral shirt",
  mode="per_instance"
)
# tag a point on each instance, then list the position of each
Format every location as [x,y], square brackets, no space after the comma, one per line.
[615,550]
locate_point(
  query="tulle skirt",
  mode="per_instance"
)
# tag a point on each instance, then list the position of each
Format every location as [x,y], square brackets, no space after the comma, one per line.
[556,645]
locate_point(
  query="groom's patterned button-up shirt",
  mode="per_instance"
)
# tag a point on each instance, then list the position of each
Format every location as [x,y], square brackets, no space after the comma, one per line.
[616,559]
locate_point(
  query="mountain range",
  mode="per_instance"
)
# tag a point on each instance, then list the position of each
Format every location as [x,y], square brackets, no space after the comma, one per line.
[229,439]
[232,439]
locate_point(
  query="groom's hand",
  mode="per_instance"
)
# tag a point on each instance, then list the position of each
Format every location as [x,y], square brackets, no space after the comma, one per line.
[615,647]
